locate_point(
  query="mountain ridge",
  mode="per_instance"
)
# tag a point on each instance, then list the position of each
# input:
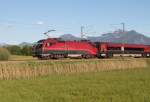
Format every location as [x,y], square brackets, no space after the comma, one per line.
[130,37]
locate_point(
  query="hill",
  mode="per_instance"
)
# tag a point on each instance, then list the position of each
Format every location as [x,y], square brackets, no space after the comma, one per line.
[67,37]
[3,44]
[25,44]
[131,37]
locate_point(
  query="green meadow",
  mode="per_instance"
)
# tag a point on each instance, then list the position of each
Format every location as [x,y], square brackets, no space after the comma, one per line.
[130,85]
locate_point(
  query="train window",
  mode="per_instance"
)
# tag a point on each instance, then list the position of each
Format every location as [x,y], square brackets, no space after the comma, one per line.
[39,46]
[114,48]
[134,49]
[48,44]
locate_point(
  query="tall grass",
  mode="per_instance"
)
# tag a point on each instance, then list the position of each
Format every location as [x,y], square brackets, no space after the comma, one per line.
[17,70]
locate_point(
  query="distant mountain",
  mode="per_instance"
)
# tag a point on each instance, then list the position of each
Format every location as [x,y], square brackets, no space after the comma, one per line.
[21,44]
[25,44]
[69,37]
[131,37]
[3,44]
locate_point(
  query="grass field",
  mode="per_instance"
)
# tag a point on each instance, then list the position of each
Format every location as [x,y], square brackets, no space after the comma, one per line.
[115,86]
[130,85]
[22,58]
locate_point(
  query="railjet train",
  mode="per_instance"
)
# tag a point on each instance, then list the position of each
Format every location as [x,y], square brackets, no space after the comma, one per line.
[54,48]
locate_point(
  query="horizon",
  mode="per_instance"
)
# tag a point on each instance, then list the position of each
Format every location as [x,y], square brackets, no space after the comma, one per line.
[26,21]
[72,35]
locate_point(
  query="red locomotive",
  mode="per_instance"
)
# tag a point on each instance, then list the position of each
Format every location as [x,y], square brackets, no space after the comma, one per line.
[53,48]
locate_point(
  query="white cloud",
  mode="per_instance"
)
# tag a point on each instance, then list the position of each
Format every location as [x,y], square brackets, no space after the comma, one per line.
[40,23]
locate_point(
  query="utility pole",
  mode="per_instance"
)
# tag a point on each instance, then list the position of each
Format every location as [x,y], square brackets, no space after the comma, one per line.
[82,33]
[123,27]
[123,43]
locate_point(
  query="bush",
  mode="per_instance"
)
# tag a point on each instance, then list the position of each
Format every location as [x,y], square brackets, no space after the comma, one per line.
[4,54]
[14,49]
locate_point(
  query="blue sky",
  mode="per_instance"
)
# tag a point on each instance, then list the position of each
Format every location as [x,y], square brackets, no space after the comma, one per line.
[26,20]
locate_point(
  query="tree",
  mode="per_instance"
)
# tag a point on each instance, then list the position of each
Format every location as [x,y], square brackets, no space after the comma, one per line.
[14,49]
[26,50]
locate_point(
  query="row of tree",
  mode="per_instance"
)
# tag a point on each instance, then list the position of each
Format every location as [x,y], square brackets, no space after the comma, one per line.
[17,50]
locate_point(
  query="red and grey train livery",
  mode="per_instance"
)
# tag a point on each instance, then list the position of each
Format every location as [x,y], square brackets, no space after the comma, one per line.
[53,48]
